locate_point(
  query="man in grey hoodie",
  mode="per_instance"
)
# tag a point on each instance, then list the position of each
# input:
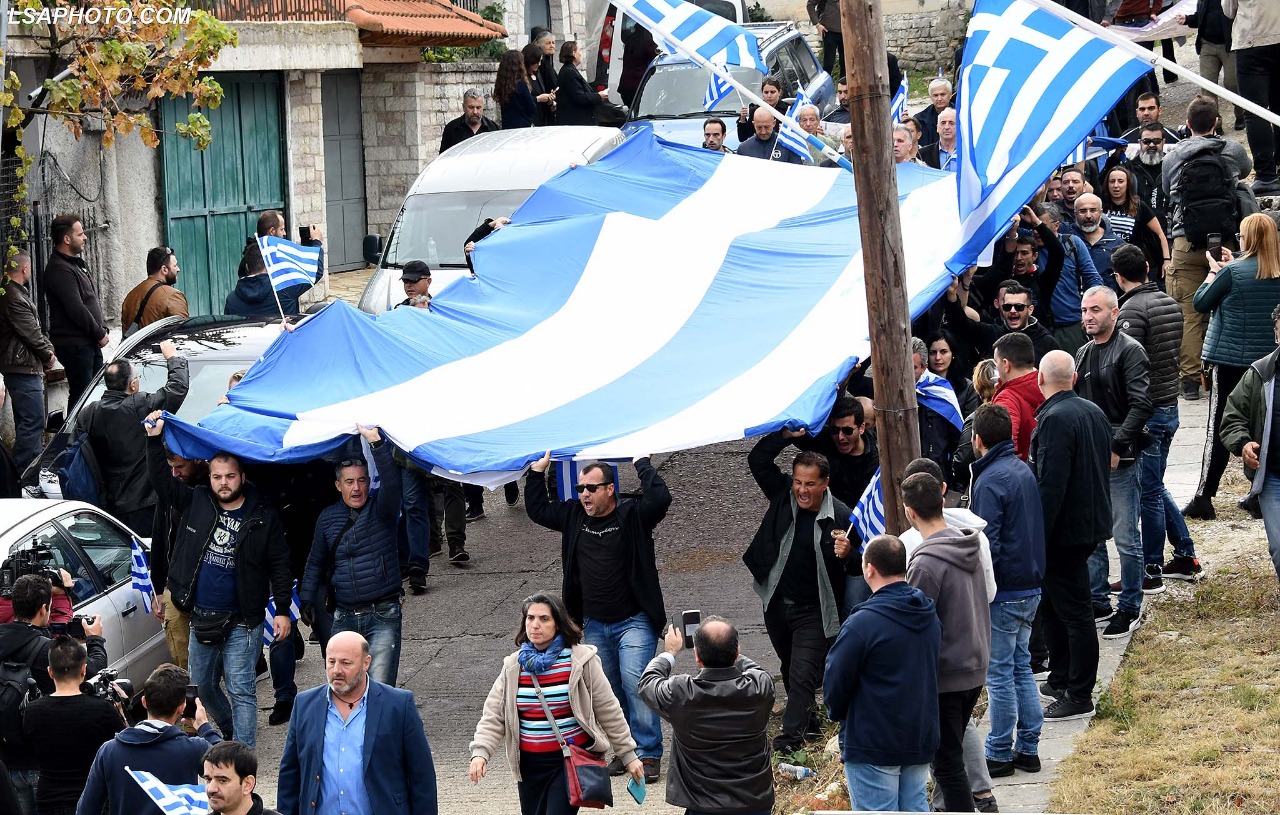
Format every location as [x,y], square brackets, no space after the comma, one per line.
[947,569]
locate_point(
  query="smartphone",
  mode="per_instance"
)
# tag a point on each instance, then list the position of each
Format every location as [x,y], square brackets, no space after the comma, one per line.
[189,712]
[304,232]
[691,620]
[637,790]
[1215,246]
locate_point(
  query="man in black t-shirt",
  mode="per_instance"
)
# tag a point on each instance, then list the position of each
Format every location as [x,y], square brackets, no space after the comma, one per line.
[49,722]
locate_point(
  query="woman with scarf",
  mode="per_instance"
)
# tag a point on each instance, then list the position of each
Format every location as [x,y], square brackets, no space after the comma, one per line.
[571,679]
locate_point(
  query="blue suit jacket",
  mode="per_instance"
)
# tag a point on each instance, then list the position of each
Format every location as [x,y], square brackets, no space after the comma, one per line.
[400,780]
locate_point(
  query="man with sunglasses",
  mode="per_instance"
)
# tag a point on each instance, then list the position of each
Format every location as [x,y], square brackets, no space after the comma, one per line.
[155,297]
[848,447]
[1017,313]
[611,581]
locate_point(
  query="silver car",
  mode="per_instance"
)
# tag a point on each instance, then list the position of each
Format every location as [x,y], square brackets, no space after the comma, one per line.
[96,550]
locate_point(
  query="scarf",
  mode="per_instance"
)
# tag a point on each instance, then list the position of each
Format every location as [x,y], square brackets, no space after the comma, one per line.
[535,661]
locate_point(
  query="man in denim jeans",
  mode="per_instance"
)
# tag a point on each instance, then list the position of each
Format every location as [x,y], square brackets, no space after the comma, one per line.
[611,581]
[1154,319]
[1005,490]
[355,556]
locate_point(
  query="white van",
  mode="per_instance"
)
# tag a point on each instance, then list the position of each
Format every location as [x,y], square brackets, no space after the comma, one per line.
[486,176]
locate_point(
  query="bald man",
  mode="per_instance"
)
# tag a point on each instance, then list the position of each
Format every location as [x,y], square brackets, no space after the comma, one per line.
[1071,457]
[1096,232]
[764,144]
[943,154]
[328,765]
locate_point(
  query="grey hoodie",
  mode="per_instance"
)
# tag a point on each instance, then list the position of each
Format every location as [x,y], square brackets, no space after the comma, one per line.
[946,567]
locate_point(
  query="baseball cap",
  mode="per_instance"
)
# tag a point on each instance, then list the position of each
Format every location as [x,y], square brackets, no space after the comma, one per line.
[415,270]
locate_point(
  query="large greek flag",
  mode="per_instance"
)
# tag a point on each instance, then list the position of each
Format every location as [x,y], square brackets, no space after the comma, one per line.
[694,306]
[1033,87]
[718,88]
[173,799]
[692,30]
[288,263]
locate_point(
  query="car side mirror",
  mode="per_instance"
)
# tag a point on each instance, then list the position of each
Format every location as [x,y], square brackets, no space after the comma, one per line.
[54,421]
[372,249]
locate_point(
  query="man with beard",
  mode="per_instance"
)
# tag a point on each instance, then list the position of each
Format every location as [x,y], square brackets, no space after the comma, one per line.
[1017,313]
[472,122]
[229,557]
[154,298]
[1147,167]
[1072,185]
[1096,234]
[230,778]
[164,533]
[329,765]
[1148,114]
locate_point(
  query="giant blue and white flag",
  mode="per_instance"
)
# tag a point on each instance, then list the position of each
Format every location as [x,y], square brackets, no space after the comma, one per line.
[793,138]
[289,264]
[1033,86]
[729,312]
[898,105]
[173,799]
[696,33]
[717,89]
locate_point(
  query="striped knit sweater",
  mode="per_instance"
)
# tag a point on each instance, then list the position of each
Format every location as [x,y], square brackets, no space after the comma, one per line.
[536,735]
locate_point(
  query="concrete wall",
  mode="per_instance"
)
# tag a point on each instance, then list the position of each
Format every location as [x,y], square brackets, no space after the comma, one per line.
[304,140]
[405,108]
[291,46]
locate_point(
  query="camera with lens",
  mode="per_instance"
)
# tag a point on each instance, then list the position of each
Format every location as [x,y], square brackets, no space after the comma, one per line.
[104,686]
[36,558]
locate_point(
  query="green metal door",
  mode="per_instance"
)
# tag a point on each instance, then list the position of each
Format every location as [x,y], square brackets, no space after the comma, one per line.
[213,198]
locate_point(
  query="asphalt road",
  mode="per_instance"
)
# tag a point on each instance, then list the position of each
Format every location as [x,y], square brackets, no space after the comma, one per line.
[456,635]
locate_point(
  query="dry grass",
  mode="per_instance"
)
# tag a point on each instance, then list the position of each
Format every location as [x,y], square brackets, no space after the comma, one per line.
[1191,723]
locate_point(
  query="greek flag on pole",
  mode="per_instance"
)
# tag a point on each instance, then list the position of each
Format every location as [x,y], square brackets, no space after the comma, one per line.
[295,611]
[867,518]
[791,138]
[1033,86]
[174,799]
[691,30]
[288,263]
[717,89]
[898,105]
[141,572]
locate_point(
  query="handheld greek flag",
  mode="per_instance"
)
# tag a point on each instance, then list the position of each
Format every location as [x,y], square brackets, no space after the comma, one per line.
[1033,86]
[289,264]
[898,105]
[141,572]
[936,393]
[717,89]
[295,611]
[867,517]
[791,137]
[174,799]
[698,34]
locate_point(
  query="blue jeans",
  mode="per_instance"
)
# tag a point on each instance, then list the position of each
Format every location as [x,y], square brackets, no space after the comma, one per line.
[1126,500]
[875,788]
[414,532]
[381,627]
[238,657]
[1012,697]
[282,655]
[1269,502]
[1160,515]
[26,393]
[625,649]
[24,786]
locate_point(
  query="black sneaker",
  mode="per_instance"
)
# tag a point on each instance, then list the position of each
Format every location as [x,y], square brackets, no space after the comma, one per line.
[652,769]
[1182,567]
[616,767]
[1200,508]
[1122,624]
[1102,613]
[999,769]
[280,713]
[1067,708]
[1239,123]
[474,513]
[511,492]
[1190,390]
[1250,505]
[1049,693]
[459,556]
[1026,763]
[1039,671]
[987,804]
[1152,582]
[417,582]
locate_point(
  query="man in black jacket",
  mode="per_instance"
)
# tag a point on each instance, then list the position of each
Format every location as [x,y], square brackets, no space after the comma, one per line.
[227,561]
[1115,374]
[472,122]
[25,355]
[720,750]
[1070,448]
[114,425]
[164,534]
[798,561]
[1017,313]
[1154,319]
[76,327]
[611,581]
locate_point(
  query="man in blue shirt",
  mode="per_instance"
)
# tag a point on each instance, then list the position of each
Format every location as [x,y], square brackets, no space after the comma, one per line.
[764,144]
[943,154]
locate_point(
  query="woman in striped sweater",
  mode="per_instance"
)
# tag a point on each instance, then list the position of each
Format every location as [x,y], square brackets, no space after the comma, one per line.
[579,695]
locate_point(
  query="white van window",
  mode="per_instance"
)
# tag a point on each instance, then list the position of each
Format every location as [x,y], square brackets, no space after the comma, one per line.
[433,227]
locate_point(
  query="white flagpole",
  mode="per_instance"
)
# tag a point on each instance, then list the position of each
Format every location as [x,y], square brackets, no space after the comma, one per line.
[1156,60]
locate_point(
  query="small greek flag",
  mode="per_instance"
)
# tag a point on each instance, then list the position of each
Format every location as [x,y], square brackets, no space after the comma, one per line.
[898,105]
[289,264]
[174,799]
[141,572]
[295,611]
[791,137]
[936,393]
[867,517]
[717,89]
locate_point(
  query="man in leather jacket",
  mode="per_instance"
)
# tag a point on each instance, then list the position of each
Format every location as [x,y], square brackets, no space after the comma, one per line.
[1114,373]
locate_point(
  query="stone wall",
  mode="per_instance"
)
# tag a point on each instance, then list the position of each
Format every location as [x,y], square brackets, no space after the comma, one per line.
[925,39]
[405,108]
[304,135]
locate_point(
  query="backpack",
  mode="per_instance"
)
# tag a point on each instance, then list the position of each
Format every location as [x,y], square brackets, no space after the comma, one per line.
[1207,190]
[77,468]
[15,684]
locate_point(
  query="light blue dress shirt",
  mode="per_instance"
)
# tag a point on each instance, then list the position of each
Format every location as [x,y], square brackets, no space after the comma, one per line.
[342,790]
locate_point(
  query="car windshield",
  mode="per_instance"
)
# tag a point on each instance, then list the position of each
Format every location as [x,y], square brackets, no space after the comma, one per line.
[208,382]
[434,226]
[676,91]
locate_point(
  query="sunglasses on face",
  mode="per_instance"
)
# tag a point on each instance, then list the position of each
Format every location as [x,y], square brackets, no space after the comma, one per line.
[843,431]
[1019,307]
[591,488]
[1152,142]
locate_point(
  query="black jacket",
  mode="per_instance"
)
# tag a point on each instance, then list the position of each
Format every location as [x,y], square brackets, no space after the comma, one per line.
[15,639]
[1213,25]
[1006,496]
[850,475]
[24,348]
[114,424]
[1071,457]
[576,103]
[1116,376]
[720,748]
[262,556]
[982,336]
[253,297]
[638,518]
[75,318]
[458,131]
[1154,319]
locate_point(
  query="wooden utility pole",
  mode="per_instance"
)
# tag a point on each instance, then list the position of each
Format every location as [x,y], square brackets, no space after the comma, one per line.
[867,69]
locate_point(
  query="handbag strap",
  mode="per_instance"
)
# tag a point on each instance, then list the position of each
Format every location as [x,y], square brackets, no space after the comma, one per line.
[555,728]
[138,317]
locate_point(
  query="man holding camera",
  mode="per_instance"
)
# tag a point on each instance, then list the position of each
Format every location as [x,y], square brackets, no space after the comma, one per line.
[26,643]
[156,745]
[64,762]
